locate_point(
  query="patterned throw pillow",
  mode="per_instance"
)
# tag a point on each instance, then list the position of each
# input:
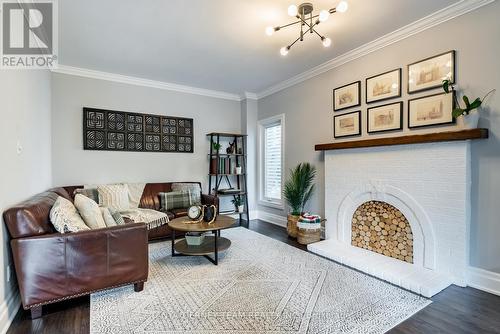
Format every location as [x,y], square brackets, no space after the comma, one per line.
[194,190]
[91,193]
[175,200]
[117,217]
[65,217]
[90,212]
[114,196]
[108,218]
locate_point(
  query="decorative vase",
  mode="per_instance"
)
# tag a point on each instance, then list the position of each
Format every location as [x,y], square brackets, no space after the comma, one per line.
[238,170]
[291,226]
[240,208]
[469,121]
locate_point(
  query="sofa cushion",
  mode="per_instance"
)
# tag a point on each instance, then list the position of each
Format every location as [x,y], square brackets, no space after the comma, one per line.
[65,217]
[90,212]
[114,196]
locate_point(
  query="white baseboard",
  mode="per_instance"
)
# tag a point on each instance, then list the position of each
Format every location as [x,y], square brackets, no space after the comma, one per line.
[272,218]
[484,280]
[8,310]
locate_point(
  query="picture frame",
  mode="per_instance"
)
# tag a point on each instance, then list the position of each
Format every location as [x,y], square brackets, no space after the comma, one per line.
[429,73]
[347,96]
[431,110]
[383,86]
[347,125]
[387,117]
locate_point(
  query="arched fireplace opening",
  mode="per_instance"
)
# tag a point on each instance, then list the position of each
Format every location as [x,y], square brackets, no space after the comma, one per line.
[380,227]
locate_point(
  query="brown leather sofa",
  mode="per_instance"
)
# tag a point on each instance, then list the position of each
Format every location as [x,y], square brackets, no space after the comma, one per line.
[150,200]
[52,267]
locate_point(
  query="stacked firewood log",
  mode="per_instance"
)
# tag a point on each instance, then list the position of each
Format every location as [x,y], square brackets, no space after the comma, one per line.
[382,228]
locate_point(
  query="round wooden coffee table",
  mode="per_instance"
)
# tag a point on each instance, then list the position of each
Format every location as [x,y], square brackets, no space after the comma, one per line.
[211,244]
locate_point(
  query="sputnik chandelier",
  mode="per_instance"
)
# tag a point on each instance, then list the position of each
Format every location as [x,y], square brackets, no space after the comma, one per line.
[308,22]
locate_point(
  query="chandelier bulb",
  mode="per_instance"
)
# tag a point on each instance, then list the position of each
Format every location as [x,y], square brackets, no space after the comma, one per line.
[269,31]
[284,50]
[293,10]
[324,15]
[342,7]
[326,42]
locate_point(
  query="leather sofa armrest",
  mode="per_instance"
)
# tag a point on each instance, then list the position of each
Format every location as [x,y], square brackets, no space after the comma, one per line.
[210,200]
[60,266]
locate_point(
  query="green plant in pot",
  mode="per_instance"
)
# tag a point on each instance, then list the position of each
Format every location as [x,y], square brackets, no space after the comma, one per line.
[467,117]
[297,191]
[238,204]
[216,146]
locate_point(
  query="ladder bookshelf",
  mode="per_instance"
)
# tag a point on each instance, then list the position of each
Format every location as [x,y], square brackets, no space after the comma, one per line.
[237,183]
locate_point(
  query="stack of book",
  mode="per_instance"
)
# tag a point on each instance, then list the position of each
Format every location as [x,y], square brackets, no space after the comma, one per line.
[225,166]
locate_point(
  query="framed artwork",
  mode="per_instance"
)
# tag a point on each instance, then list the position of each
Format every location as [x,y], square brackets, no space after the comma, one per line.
[109,130]
[383,86]
[347,96]
[387,117]
[347,125]
[430,110]
[429,73]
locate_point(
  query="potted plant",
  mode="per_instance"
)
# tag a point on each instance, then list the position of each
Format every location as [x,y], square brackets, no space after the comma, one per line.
[216,146]
[238,204]
[298,190]
[467,117]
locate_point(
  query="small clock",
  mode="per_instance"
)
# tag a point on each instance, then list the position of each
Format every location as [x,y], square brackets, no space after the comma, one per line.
[195,212]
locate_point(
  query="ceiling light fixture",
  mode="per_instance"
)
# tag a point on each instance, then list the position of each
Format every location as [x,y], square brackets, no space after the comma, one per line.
[308,22]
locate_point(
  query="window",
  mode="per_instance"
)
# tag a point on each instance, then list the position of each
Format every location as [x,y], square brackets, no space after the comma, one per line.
[271,136]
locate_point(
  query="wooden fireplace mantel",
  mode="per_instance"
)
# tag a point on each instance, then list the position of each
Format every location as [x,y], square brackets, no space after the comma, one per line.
[405,140]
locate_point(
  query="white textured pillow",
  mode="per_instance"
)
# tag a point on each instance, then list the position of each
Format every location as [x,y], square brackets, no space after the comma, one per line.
[65,217]
[90,212]
[114,196]
[108,218]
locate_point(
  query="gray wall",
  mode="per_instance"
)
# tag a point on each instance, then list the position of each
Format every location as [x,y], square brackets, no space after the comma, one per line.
[25,112]
[309,115]
[249,114]
[72,165]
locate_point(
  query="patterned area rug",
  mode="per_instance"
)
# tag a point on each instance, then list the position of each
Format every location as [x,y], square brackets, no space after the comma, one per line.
[261,285]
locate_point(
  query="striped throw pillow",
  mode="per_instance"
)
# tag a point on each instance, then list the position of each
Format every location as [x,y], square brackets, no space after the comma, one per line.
[175,200]
[114,196]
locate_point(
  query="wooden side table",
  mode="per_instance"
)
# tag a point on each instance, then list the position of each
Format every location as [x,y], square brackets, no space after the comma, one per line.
[211,244]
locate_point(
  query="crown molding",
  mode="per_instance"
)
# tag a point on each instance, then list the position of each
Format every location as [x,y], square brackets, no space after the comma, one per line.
[432,20]
[83,72]
[249,96]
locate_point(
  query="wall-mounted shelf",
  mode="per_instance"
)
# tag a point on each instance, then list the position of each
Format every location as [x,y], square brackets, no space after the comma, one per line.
[405,140]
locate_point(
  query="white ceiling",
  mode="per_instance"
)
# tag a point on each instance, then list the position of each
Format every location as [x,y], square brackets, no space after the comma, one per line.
[217,44]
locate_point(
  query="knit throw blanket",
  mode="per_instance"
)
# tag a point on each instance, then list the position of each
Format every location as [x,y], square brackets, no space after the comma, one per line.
[151,218]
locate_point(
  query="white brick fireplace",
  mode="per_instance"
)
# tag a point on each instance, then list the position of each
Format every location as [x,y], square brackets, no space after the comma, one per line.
[429,184]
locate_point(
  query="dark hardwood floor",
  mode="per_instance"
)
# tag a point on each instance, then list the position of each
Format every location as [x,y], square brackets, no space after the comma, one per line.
[455,310]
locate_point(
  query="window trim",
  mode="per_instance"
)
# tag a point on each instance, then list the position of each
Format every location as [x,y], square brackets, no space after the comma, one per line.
[262,124]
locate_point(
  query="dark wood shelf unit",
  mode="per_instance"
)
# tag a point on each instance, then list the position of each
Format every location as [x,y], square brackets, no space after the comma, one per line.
[240,180]
[241,193]
[225,134]
[227,155]
[406,140]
